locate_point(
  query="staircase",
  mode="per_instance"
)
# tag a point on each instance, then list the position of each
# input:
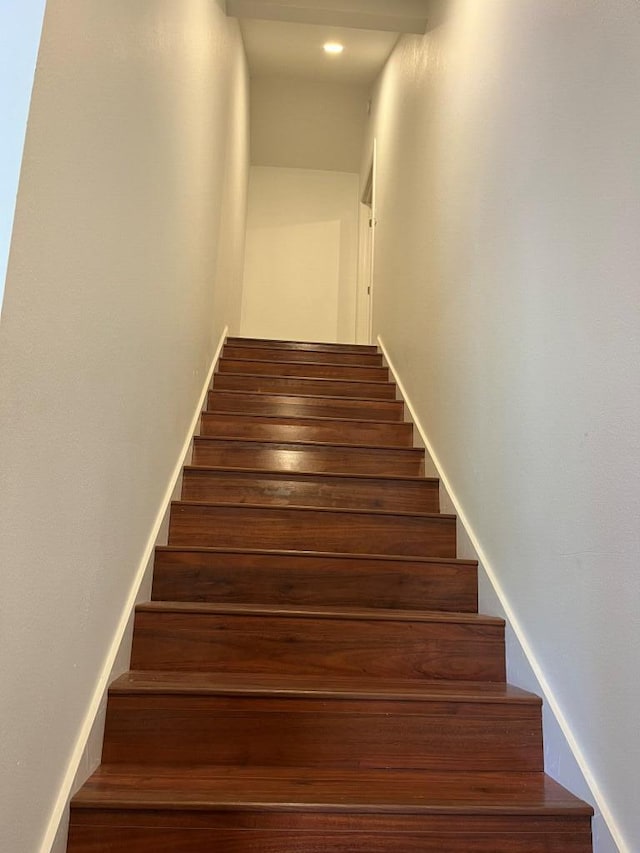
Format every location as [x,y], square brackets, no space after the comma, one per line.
[312,674]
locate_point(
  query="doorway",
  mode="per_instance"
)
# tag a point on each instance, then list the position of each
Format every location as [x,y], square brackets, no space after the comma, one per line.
[364,300]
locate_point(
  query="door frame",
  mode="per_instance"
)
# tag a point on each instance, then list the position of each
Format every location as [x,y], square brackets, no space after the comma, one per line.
[368,222]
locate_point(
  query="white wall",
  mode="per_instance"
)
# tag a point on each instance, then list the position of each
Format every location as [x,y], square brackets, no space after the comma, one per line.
[301,255]
[137,134]
[507,294]
[307,124]
[20,28]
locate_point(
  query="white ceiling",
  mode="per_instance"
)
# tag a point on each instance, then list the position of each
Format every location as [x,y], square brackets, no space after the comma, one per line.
[397,16]
[278,48]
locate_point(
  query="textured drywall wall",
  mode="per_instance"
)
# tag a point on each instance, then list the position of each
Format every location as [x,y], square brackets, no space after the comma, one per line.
[307,124]
[137,139]
[506,291]
[20,28]
[301,255]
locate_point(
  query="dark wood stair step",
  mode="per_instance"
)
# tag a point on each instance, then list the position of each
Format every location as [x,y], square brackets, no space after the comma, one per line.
[322,346]
[296,385]
[312,528]
[275,488]
[318,429]
[306,370]
[307,456]
[197,718]
[314,578]
[146,809]
[249,402]
[366,359]
[198,637]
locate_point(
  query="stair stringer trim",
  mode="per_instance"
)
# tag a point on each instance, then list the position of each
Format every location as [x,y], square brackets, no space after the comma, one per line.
[83,760]
[564,759]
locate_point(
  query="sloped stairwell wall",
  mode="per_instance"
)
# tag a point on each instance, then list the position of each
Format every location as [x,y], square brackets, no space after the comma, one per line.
[125,268]
[506,296]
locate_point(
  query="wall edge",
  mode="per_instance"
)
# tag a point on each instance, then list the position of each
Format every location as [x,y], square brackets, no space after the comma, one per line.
[549,698]
[66,786]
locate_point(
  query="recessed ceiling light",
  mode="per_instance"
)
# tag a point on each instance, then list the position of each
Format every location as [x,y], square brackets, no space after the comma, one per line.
[333,47]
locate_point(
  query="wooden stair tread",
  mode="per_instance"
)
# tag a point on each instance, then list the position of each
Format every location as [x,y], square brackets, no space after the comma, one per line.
[315,386]
[310,419]
[337,613]
[400,558]
[318,686]
[274,343]
[356,383]
[206,787]
[254,576]
[278,510]
[293,445]
[375,400]
[283,364]
[327,356]
[320,399]
[310,475]
[303,369]
[306,428]
[278,403]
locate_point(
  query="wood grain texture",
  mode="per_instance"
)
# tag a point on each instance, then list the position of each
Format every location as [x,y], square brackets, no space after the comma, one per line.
[318,429]
[296,797]
[296,385]
[348,580]
[181,719]
[366,359]
[250,402]
[301,346]
[508,839]
[308,370]
[308,457]
[273,488]
[208,638]
[312,529]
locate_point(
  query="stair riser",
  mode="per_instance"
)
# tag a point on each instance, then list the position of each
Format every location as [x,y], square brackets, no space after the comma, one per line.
[193,642]
[327,459]
[308,370]
[313,580]
[311,530]
[100,840]
[147,840]
[299,406]
[353,359]
[165,831]
[300,346]
[321,387]
[224,425]
[287,732]
[284,490]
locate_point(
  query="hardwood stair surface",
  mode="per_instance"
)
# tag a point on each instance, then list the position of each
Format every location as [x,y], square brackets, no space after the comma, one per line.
[308,456]
[308,370]
[318,429]
[304,405]
[305,385]
[271,576]
[312,528]
[365,359]
[201,636]
[272,720]
[346,491]
[312,674]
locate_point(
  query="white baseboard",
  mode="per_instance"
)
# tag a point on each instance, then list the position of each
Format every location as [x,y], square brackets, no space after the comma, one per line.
[85,755]
[561,747]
